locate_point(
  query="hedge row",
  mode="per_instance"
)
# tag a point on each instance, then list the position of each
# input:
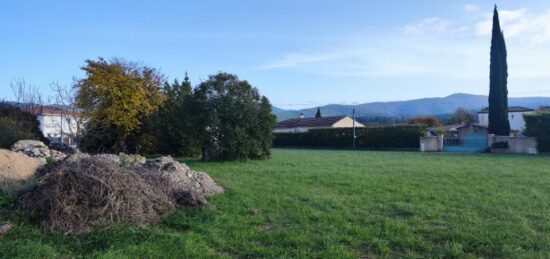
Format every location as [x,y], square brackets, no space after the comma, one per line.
[538,125]
[387,137]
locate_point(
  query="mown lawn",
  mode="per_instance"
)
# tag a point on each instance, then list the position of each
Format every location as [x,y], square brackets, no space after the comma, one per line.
[336,204]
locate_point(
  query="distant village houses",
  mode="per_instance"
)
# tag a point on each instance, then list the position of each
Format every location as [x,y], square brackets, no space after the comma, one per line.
[515,117]
[57,124]
[303,124]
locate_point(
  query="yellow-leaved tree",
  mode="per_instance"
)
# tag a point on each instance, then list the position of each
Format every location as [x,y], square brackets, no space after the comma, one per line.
[116,98]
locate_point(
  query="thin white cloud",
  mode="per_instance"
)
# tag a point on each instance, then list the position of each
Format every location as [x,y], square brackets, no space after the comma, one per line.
[433,24]
[432,48]
[387,57]
[530,27]
[470,8]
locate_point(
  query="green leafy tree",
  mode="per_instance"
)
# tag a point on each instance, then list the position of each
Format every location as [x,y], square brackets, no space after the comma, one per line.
[175,129]
[116,98]
[498,92]
[234,121]
[318,113]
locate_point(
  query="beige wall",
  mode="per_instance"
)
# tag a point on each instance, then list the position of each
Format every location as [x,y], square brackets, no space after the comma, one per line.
[347,122]
[516,145]
[431,144]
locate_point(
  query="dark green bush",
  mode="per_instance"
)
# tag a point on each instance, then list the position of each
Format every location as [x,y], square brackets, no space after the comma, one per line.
[11,132]
[16,124]
[387,137]
[538,125]
[232,119]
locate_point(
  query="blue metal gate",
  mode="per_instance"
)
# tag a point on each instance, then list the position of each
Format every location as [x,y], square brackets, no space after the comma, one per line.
[470,144]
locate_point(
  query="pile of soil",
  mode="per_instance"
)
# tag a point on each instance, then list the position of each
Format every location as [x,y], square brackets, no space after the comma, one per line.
[18,166]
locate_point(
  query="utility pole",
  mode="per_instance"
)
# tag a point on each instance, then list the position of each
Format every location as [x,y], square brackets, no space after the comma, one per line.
[353,116]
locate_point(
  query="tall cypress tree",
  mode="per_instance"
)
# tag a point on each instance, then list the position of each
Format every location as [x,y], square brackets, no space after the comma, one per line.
[498,92]
[318,113]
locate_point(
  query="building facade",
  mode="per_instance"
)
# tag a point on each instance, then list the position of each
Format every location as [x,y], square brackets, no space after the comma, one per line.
[515,117]
[58,125]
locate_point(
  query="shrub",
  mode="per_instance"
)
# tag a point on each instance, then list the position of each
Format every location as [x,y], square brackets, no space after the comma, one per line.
[387,137]
[16,124]
[538,125]
[11,132]
[233,119]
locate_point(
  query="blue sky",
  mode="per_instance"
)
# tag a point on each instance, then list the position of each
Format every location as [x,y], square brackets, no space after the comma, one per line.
[298,53]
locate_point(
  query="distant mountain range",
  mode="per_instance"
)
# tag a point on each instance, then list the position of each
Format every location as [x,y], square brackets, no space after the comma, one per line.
[426,106]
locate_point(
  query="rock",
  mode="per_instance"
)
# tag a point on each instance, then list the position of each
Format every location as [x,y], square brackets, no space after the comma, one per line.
[18,166]
[4,229]
[191,188]
[57,155]
[130,160]
[32,148]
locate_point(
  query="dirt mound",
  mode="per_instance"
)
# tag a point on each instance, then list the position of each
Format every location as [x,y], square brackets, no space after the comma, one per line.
[189,188]
[18,166]
[83,192]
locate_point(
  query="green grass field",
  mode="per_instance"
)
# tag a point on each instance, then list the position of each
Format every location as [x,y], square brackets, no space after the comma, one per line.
[336,204]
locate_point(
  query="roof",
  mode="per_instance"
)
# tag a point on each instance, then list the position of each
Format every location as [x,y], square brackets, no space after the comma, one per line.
[510,109]
[474,125]
[309,122]
[452,127]
[455,127]
[47,110]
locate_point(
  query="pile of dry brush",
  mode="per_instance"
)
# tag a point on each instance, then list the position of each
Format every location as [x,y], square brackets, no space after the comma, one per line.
[84,192]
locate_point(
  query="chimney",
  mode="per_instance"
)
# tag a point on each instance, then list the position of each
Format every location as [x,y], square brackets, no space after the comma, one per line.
[301,115]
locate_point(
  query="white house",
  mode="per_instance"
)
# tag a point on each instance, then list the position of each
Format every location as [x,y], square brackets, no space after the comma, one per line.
[305,124]
[515,116]
[56,124]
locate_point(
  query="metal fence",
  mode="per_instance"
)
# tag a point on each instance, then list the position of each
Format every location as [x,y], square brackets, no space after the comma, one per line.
[467,144]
